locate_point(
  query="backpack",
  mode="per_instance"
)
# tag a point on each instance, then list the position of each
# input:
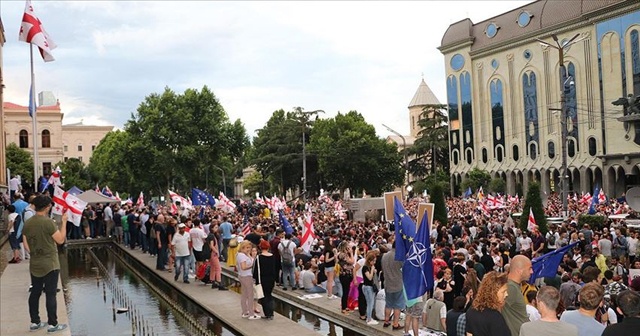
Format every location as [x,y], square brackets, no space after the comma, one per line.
[287,256]
[206,248]
[552,238]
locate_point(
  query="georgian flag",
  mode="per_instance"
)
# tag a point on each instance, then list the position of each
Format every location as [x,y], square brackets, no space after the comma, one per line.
[183,201]
[31,31]
[66,202]
[225,204]
[140,202]
[308,234]
[531,223]
[55,179]
[601,197]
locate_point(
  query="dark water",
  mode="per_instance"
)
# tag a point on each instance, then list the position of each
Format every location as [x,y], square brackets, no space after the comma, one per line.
[90,309]
[91,312]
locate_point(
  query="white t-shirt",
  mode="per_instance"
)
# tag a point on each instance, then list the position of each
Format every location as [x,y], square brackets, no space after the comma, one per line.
[240,258]
[14,184]
[12,218]
[359,271]
[633,246]
[533,313]
[525,243]
[181,243]
[197,238]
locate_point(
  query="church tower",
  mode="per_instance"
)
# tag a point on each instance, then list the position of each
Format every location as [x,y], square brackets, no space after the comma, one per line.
[423,97]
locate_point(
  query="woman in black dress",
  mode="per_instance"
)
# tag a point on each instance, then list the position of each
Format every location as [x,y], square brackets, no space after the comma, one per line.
[267,277]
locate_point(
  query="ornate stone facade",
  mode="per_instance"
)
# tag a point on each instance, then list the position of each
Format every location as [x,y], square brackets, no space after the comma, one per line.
[504,89]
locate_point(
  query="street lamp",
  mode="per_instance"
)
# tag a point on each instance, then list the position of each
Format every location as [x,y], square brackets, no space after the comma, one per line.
[404,150]
[560,46]
[304,115]
[224,180]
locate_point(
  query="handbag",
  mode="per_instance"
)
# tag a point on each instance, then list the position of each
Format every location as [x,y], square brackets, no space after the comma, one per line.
[258,293]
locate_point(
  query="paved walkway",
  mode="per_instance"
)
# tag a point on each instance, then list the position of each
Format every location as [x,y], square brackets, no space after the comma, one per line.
[14,307]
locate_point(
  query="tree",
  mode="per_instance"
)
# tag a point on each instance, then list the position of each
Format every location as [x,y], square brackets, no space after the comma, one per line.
[277,150]
[350,155]
[74,173]
[19,162]
[440,209]
[171,142]
[430,151]
[497,185]
[476,178]
[254,183]
[534,201]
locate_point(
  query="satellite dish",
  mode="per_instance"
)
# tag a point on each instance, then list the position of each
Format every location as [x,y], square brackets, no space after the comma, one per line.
[633,198]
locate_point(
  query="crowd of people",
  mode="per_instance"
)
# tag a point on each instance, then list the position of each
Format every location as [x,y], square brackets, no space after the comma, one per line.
[481,261]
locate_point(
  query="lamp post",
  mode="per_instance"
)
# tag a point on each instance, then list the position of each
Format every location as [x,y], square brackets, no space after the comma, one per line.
[224,180]
[560,46]
[404,150]
[304,117]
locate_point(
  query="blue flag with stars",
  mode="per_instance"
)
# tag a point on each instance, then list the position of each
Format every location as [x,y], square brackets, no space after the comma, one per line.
[547,265]
[286,226]
[199,197]
[405,229]
[417,271]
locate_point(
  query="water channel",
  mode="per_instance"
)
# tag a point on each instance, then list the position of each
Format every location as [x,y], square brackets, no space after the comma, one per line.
[100,279]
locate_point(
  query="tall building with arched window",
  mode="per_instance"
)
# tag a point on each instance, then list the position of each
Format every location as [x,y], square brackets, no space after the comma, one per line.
[504,89]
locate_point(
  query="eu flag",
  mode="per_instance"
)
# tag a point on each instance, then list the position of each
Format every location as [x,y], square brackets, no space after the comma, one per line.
[547,265]
[468,193]
[285,223]
[199,197]
[417,271]
[405,228]
[594,200]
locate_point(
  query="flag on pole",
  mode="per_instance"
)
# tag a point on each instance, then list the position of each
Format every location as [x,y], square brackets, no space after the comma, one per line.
[225,203]
[417,271]
[405,230]
[32,31]
[202,198]
[531,224]
[308,234]
[468,193]
[286,226]
[602,198]
[246,228]
[480,194]
[547,265]
[69,203]
[32,106]
[140,202]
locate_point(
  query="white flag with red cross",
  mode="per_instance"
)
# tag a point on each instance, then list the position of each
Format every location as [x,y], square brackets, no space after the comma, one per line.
[31,31]
[140,202]
[69,203]
[308,234]
[531,223]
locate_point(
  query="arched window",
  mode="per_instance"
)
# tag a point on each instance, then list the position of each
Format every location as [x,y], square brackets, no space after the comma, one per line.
[533,151]
[571,147]
[24,139]
[551,149]
[499,153]
[592,146]
[516,153]
[46,139]
[485,155]
[455,157]
[469,152]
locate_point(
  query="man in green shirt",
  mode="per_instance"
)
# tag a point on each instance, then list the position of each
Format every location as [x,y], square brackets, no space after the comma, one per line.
[515,309]
[40,236]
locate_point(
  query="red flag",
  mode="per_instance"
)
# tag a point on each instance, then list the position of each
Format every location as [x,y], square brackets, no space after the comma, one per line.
[531,224]
[31,31]
[140,202]
[308,234]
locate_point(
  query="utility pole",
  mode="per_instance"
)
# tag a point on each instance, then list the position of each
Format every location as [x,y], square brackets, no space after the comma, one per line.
[563,113]
[304,118]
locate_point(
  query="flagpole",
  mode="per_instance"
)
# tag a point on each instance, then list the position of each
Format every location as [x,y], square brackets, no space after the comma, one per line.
[34,121]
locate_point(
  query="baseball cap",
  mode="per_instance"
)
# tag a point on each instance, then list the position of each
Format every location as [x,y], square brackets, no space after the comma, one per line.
[181,225]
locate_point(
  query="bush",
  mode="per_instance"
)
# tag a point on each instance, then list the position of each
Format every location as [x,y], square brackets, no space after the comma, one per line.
[534,202]
[497,185]
[595,222]
[437,198]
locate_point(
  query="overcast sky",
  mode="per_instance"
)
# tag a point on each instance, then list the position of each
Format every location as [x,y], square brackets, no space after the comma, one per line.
[257,57]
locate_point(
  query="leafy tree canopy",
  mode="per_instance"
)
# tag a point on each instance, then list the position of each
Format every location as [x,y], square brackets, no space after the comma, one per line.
[534,201]
[350,155]
[475,179]
[430,151]
[19,162]
[75,173]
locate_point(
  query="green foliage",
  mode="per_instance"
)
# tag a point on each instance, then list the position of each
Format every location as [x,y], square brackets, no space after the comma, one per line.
[534,201]
[440,210]
[173,141]
[75,173]
[430,151]
[277,151]
[254,183]
[497,185]
[428,183]
[475,179]
[19,161]
[596,222]
[350,155]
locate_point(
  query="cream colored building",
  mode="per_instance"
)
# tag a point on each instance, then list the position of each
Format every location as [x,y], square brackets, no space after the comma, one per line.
[79,140]
[56,142]
[503,86]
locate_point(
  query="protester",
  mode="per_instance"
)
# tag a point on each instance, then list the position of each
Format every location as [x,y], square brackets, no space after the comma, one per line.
[244,264]
[393,287]
[484,318]
[590,297]
[629,306]
[181,252]
[40,236]
[265,274]
[547,300]
[515,310]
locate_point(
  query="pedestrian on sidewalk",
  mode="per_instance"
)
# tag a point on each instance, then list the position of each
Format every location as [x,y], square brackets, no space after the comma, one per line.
[40,236]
